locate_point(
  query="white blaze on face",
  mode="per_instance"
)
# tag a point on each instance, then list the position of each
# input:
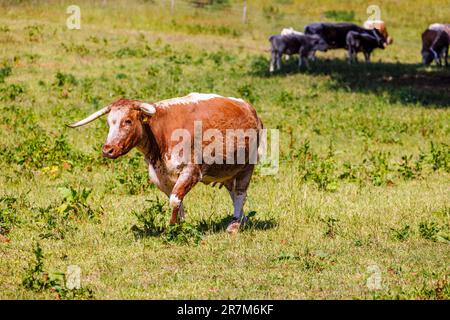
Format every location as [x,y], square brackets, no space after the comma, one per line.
[114,119]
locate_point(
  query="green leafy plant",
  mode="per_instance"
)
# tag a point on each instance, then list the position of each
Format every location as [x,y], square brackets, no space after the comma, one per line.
[151,221]
[58,219]
[75,205]
[429,230]
[379,168]
[331,226]
[5,71]
[39,280]
[62,79]
[182,233]
[11,92]
[406,169]
[440,156]
[8,214]
[401,234]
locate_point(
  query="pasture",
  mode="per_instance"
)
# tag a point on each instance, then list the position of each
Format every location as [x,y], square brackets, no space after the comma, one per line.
[362,195]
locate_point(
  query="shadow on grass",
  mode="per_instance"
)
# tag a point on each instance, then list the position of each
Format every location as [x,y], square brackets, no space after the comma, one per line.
[216,226]
[403,83]
[204,226]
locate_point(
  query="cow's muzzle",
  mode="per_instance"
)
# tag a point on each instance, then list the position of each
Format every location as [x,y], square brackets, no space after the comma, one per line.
[110,151]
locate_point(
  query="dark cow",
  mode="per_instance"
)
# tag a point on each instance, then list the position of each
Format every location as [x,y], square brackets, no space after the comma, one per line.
[335,34]
[364,42]
[304,45]
[435,43]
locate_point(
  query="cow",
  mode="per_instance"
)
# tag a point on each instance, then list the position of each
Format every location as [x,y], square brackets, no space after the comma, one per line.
[364,42]
[162,131]
[290,44]
[380,25]
[335,34]
[287,31]
[435,43]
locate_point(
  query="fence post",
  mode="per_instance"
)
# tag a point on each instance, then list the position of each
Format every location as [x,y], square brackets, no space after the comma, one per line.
[244,13]
[172,7]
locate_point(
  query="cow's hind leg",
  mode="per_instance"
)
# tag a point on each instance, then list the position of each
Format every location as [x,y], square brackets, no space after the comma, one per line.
[187,179]
[238,193]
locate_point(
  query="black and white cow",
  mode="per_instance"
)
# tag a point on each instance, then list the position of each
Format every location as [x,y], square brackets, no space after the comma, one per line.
[304,45]
[365,42]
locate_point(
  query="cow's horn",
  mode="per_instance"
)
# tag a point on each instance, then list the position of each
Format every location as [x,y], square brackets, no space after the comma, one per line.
[147,108]
[91,118]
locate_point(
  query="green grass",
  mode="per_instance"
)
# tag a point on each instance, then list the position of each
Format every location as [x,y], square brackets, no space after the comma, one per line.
[364,168]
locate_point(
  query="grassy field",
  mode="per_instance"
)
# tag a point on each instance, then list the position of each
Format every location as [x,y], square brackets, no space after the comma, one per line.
[362,195]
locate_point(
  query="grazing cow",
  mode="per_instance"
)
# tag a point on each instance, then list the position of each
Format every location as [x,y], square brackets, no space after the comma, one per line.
[364,42]
[435,43]
[287,31]
[380,26]
[169,134]
[335,34]
[290,44]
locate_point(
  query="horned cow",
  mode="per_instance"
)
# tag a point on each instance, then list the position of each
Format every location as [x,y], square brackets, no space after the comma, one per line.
[150,127]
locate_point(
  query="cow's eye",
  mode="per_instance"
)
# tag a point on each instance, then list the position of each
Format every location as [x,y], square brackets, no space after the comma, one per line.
[128,122]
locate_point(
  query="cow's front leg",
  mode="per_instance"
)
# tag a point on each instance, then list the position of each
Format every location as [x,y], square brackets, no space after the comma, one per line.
[279,61]
[273,61]
[187,179]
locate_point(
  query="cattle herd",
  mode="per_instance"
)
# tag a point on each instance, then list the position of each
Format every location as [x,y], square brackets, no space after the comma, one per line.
[372,35]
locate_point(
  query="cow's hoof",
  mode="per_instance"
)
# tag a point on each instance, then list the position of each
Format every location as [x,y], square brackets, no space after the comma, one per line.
[235,224]
[233,227]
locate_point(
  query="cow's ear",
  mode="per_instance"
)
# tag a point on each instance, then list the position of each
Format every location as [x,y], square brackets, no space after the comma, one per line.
[147,109]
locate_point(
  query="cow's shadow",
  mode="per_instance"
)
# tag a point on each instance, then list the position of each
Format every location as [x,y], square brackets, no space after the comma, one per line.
[207,226]
[217,226]
[399,82]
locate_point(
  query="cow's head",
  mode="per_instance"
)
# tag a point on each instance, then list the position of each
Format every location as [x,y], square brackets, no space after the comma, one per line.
[380,26]
[381,40]
[428,52]
[126,125]
[318,43]
[427,56]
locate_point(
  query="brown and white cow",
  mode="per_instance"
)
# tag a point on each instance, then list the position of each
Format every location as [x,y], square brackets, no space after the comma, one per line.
[159,129]
[380,25]
[435,44]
